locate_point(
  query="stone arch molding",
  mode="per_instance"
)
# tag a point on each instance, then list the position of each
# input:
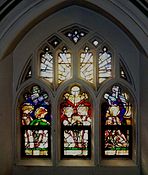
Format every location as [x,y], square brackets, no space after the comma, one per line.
[26,15]
[33,28]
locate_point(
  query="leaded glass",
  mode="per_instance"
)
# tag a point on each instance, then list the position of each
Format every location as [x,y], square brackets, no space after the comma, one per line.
[76,110]
[124,73]
[104,65]
[76,142]
[35,110]
[95,43]
[117,142]
[116,122]
[46,65]
[86,65]
[64,65]
[118,110]
[54,41]
[35,122]
[36,142]
[75,123]
[75,34]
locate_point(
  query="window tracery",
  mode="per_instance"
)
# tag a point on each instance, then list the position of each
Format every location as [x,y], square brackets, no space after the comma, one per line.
[54,41]
[75,34]
[58,64]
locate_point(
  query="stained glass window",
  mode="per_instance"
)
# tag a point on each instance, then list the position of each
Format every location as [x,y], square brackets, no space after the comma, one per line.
[46,64]
[35,115]
[116,123]
[87,65]
[75,114]
[104,65]
[66,56]
[64,65]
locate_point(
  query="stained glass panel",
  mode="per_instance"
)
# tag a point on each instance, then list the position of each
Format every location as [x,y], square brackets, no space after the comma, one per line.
[76,109]
[117,142]
[76,142]
[76,123]
[46,65]
[104,65]
[86,65]
[35,110]
[35,122]
[64,65]
[36,142]
[116,123]
[118,108]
